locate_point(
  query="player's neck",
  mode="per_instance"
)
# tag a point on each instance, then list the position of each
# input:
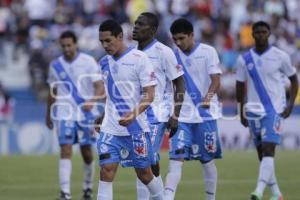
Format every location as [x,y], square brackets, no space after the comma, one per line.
[122,50]
[143,44]
[190,48]
[71,58]
[261,48]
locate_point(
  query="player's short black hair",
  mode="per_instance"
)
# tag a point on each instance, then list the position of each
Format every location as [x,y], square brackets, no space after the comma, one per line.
[261,23]
[112,26]
[68,34]
[181,25]
[152,19]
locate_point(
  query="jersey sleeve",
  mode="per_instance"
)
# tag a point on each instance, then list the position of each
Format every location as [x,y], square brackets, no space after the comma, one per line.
[241,74]
[173,69]
[287,68]
[146,73]
[213,63]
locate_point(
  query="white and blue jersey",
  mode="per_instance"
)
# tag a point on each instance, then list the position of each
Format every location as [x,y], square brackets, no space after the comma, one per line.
[197,133]
[166,69]
[198,65]
[82,72]
[124,79]
[74,83]
[264,75]
[270,67]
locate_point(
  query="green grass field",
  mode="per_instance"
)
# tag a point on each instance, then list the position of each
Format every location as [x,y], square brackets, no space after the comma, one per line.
[35,177]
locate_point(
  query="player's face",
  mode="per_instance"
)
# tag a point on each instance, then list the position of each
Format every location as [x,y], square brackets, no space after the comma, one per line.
[110,43]
[142,29]
[183,41]
[69,47]
[261,35]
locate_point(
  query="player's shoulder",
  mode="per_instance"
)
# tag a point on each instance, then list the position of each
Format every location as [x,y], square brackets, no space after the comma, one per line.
[162,48]
[278,53]
[206,47]
[137,54]
[57,60]
[86,57]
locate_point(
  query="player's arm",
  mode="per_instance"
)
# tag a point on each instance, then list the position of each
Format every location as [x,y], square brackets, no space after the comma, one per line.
[99,94]
[51,99]
[98,122]
[214,71]
[293,93]
[179,90]
[240,97]
[212,90]
[147,98]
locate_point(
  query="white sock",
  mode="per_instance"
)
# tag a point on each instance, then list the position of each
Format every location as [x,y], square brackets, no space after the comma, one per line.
[156,190]
[210,175]
[266,170]
[172,179]
[105,191]
[65,170]
[273,184]
[88,175]
[142,190]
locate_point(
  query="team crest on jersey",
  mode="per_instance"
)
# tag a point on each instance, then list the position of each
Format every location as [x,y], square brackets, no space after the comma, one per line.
[250,66]
[210,142]
[124,153]
[195,148]
[62,75]
[178,68]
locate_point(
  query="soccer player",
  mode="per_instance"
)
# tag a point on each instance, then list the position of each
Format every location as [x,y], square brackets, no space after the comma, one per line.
[260,92]
[167,71]
[197,134]
[75,87]
[129,81]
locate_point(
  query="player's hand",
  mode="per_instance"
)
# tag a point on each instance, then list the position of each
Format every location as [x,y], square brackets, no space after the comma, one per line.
[97,123]
[87,106]
[205,103]
[287,111]
[244,121]
[172,126]
[127,118]
[49,122]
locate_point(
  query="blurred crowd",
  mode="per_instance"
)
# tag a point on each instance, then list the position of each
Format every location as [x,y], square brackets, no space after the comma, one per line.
[33,26]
